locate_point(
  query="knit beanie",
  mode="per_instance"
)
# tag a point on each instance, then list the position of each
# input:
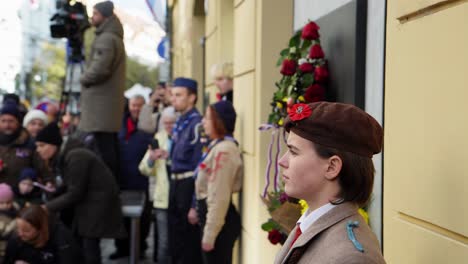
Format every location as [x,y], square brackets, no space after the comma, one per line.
[50,135]
[227,114]
[35,114]
[6,194]
[27,173]
[10,108]
[106,8]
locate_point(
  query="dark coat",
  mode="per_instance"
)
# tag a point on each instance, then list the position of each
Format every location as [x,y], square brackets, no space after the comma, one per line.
[132,151]
[103,81]
[60,249]
[327,240]
[93,192]
[20,154]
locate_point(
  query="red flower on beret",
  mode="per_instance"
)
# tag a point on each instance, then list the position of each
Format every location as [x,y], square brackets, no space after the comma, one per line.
[316,52]
[299,112]
[274,236]
[310,31]
[306,67]
[288,67]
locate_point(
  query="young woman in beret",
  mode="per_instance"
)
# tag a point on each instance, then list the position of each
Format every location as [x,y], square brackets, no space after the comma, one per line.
[329,165]
[219,176]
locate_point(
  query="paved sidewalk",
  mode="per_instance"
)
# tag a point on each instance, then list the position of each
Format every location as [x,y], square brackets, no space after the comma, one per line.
[107,248]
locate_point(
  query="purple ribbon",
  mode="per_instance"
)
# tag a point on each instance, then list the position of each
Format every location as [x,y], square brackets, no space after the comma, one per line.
[278,149]
[267,172]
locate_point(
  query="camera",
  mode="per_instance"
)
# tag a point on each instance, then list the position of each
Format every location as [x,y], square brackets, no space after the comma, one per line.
[70,21]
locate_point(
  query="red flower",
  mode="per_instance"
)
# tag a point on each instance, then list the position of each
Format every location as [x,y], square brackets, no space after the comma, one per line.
[316,52]
[314,93]
[321,74]
[310,31]
[299,112]
[274,236]
[306,67]
[288,67]
[218,97]
[202,166]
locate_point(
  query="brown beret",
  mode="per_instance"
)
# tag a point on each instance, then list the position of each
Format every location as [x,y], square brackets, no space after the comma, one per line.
[341,126]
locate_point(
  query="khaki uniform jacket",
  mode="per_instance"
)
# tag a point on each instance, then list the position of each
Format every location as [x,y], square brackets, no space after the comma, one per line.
[219,176]
[103,81]
[327,241]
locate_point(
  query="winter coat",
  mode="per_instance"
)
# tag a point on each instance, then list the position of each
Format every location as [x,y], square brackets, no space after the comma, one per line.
[132,151]
[158,174]
[61,248]
[18,155]
[328,240]
[103,81]
[92,191]
[219,176]
[7,227]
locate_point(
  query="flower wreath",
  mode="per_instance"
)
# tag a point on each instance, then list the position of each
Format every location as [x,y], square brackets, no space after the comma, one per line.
[305,77]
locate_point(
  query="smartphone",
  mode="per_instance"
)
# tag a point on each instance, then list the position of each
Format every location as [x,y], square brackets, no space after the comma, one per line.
[154,144]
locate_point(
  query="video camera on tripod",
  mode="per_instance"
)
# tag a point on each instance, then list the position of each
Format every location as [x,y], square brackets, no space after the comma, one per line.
[70,22]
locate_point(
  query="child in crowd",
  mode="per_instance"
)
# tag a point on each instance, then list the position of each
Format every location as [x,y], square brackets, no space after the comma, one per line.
[25,192]
[7,217]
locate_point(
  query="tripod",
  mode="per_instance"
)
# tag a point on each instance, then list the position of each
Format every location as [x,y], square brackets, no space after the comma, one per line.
[70,96]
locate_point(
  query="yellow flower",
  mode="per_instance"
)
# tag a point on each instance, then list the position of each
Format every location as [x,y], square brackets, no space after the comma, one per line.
[279,105]
[364,215]
[304,206]
[280,122]
[301,98]
[285,99]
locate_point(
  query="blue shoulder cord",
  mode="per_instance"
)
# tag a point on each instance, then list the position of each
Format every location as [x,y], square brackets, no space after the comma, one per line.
[349,228]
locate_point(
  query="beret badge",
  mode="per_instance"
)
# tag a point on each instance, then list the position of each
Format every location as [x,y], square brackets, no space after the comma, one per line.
[299,112]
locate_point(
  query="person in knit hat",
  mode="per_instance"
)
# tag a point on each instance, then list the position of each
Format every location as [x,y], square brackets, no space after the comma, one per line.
[91,191]
[34,121]
[329,165]
[25,191]
[17,150]
[7,217]
[219,176]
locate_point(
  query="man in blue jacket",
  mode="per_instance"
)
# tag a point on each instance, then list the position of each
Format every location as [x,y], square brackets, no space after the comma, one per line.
[185,155]
[133,145]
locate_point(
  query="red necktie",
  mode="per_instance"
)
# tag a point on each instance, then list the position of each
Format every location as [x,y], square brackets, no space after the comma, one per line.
[298,233]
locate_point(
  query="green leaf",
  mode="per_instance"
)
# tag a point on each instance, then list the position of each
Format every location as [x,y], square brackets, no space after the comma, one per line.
[307,80]
[280,61]
[284,52]
[295,40]
[268,226]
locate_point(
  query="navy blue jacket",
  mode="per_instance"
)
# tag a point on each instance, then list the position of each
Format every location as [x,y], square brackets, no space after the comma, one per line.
[131,153]
[186,146]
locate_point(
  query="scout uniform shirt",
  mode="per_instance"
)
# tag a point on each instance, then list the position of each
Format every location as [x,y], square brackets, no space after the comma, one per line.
[219,175]
[186,148]
[339,236]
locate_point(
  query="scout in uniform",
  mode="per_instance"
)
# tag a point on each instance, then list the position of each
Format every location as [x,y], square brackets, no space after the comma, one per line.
[329,165]
[185,154]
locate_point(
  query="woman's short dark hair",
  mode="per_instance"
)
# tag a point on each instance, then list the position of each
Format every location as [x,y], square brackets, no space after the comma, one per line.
[218,124]
[36,216]
[356,177]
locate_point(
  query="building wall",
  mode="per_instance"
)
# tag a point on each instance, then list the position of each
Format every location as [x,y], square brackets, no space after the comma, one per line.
[249,33]
[425,183]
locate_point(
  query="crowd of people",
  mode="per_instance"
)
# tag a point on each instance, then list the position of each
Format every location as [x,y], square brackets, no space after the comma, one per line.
[61,175]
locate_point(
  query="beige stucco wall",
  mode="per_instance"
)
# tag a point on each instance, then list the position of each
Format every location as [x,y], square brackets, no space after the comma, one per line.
[250,34]
[426,125]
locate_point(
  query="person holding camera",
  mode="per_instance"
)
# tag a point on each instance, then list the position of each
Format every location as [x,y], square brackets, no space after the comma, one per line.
[149,120]
[156,165]
[103,81]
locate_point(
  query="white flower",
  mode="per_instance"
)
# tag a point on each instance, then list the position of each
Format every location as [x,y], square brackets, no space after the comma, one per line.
[302,61]
[292,50]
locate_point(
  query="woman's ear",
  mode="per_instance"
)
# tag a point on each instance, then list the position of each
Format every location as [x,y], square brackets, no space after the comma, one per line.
[334,167]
